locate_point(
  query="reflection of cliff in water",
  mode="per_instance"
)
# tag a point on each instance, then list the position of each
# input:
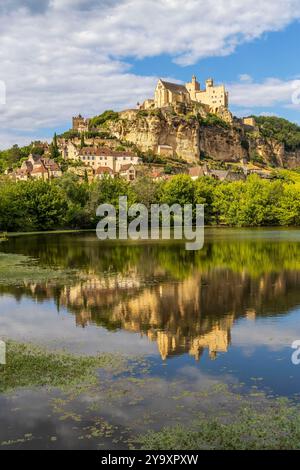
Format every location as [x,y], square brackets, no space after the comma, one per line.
[185,316]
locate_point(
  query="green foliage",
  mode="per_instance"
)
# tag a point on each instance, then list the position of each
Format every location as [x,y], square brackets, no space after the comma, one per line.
[275,426]
[280,129]
[69,135]
[67,202]
[255,158]
[146,191]
[102,135]
[37,151]
[82,142]
[204,194]
[108,115]
[213,120]
[31,205]
[54,152]
[29,365]
[178,190]
[13,156]
[251,203]
[150,157]
[169,169]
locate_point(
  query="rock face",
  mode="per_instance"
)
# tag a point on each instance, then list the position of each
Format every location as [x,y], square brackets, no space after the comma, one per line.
[150,131]
[192,138]
[222,144]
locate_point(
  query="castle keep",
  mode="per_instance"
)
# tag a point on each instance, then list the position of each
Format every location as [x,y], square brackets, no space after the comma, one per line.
[170,94]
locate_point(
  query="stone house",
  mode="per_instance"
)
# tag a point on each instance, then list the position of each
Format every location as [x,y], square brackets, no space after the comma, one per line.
[128,172]
[20,175]
[220,175]
[196,172]
[103,156]
[37,167]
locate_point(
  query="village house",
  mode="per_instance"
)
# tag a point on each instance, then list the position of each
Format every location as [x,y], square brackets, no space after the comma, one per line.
[103,156]
[37,167]
[68,150]
[165,150]
[196,172]
[128,172]
[220,175]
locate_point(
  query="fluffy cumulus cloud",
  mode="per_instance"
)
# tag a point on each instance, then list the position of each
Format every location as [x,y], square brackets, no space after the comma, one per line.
[270,92]
[59,57]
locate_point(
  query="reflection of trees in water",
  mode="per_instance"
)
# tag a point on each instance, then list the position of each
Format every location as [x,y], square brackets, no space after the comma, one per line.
[86,253]
[186,301]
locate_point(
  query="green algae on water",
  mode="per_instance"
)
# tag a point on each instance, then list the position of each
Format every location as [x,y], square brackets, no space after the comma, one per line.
[32,366]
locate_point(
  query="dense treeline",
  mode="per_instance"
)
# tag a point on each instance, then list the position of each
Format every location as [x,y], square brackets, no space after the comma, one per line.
[280,129]
[67,203]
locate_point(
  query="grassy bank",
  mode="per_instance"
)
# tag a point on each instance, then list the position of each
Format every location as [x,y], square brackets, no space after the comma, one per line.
[276,426]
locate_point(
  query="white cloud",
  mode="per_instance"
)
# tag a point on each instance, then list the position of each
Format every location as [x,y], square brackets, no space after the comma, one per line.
[270,92]
[244,77]
[59,57]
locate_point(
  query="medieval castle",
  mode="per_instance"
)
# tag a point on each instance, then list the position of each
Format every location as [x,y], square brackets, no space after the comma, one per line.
[171,94]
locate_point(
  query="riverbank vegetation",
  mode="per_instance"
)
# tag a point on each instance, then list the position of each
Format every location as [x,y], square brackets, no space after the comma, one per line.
[32,366]
[68,203]
[274,426]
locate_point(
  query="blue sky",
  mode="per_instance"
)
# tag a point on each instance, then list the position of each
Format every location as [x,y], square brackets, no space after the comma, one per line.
[272,55]
[110,53]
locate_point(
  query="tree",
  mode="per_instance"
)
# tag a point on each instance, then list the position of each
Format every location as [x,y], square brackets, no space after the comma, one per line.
[146,191]
[82,143]
[54,151]
[204,194]
[180,189]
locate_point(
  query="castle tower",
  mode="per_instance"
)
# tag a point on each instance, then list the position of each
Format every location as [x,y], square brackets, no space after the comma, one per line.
[192,87]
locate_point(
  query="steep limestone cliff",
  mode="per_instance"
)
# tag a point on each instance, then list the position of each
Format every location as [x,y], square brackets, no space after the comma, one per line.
[193,136]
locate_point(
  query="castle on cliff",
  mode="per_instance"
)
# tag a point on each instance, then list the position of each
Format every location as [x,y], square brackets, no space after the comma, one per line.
[171,94]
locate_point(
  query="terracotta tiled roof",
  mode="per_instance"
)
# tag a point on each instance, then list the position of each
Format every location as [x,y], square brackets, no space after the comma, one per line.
[39,169]
[196,171]
[20,172]
[103,169]
[126,167]
[50,164]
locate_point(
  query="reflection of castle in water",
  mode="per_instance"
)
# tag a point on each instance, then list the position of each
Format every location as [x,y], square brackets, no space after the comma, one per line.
[187,316]
[186,302]
[168,314]
[182,317]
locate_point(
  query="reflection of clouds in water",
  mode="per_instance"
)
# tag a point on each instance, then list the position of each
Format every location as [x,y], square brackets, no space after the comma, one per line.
[275,334]
[165,401]
[29,321]
[153,401]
